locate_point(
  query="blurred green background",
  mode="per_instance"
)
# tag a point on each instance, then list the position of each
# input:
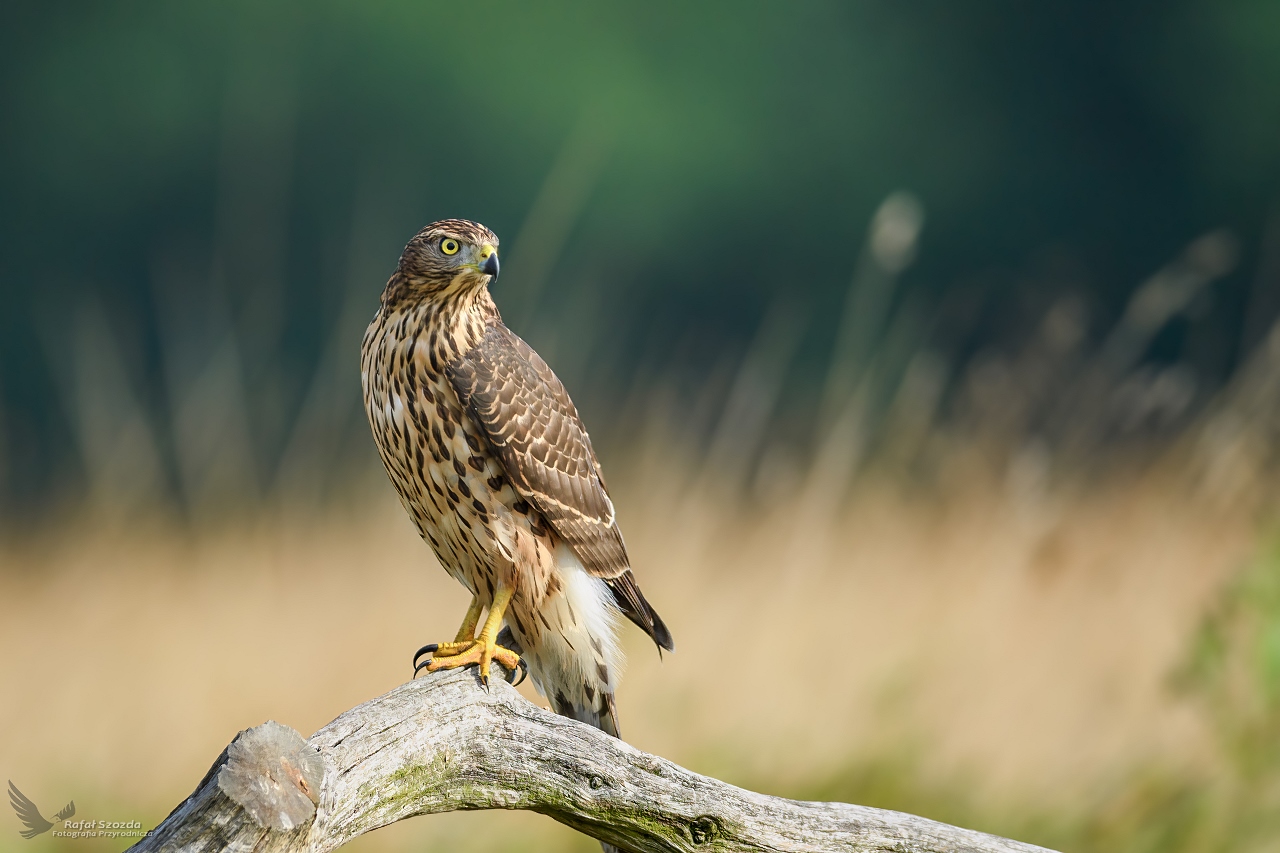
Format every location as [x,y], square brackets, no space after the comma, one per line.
[177,179]
[967,314]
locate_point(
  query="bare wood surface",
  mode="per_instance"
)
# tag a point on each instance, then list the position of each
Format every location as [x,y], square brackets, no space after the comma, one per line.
[442,743]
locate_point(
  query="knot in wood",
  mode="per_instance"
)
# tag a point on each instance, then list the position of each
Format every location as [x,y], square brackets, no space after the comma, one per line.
[596,783]
[704,829]
[274,775]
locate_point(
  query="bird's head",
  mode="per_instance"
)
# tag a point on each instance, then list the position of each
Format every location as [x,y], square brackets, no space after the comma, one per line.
[450,254]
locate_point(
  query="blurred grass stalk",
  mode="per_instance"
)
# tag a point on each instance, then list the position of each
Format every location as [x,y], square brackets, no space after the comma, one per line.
[864,360]
[890,399]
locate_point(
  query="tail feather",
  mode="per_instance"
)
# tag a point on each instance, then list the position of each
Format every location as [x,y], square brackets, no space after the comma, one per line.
[633,604]
[604,715]
[569,642]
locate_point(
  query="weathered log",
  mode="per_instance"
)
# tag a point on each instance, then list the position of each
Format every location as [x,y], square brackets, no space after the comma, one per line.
[443,743]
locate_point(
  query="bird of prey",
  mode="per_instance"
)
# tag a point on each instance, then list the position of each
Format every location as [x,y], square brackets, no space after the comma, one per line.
[495,468]
[30,815]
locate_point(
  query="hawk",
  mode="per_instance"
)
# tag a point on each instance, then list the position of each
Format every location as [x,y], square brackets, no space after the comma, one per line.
[494,466]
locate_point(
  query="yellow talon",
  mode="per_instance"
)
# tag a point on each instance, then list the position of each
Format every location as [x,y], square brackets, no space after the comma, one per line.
[442,650]
[481,653]
[482,650]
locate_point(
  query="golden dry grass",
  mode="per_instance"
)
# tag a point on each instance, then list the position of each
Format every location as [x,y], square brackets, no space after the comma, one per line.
[1020,643]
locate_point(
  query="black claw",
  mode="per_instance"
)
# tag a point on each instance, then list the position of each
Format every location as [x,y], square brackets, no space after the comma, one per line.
[428,649]
[420,667]
[522,669]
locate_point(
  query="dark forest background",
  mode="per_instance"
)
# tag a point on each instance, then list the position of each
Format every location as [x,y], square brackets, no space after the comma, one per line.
[199,206]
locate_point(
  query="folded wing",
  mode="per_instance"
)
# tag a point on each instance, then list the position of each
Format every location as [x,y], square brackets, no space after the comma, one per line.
[535,431]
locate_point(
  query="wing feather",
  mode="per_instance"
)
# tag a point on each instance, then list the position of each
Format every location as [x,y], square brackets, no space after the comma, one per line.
[535,430]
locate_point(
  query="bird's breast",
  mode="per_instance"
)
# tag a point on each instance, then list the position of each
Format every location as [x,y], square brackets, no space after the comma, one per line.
[453,486]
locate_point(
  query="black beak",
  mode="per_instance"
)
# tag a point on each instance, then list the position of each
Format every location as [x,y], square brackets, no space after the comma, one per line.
[490,266]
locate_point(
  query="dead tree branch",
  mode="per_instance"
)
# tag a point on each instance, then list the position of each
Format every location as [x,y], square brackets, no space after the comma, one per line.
[442,743]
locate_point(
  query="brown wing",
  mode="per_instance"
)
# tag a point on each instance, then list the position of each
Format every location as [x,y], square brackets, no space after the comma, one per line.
[535,430]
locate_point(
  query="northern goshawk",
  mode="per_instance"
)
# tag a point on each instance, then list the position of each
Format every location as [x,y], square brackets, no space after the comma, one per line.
[497,472]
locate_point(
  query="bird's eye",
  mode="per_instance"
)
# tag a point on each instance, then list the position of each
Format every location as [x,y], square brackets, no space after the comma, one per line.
[449,246]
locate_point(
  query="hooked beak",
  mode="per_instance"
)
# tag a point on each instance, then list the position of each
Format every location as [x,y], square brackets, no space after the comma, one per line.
[488,260]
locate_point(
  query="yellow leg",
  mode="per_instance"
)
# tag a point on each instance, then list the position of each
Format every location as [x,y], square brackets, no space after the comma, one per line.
[484,648]
[469,622]
[466,634]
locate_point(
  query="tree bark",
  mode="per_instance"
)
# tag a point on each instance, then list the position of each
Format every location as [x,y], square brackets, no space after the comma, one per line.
[443,743]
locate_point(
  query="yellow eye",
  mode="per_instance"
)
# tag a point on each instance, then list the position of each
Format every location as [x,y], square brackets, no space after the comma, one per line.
[449,246]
